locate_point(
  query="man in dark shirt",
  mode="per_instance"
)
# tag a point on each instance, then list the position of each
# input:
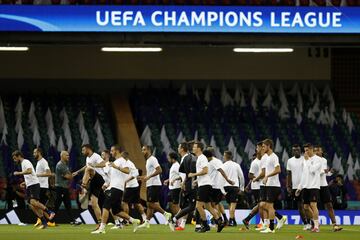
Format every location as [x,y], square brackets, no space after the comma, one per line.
[338,192]
[188,200]
[63,176]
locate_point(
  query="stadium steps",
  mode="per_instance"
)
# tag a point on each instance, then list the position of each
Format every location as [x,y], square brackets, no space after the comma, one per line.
[127,134]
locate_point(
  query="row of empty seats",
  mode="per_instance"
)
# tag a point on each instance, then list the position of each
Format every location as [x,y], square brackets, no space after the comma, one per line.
[87,121]
[195,113]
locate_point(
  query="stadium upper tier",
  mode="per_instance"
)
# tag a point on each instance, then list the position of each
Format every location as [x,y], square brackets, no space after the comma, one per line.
[194,2]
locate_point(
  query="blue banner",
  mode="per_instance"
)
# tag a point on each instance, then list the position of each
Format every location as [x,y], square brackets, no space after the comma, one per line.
[210,19]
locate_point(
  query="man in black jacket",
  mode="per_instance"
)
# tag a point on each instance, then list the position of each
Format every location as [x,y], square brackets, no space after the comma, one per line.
[188,199]
[338,192]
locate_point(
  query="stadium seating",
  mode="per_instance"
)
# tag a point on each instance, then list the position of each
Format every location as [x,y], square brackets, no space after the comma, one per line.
[226,115]
[229,117]
[91,107]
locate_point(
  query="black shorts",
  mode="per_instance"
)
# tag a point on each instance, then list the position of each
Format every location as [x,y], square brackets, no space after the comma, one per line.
[43,195]
[174,195]
[310,195]
[33,192]
[153,193]
[231,194]
[96,184]
[272,194]
[188,198]
[107,199]
[132,195]
[325,196]
[255,196]
[216,195]
[113,198]
[203,194]
[296,198]
[262,197]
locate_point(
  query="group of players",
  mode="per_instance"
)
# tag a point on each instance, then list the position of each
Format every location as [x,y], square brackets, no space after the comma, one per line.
[306,183]
[198,181]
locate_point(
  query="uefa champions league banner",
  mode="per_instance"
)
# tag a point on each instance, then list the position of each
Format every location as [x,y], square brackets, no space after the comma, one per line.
[210,19]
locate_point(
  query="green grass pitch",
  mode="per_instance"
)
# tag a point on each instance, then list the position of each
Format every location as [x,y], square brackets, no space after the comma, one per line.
[162,232]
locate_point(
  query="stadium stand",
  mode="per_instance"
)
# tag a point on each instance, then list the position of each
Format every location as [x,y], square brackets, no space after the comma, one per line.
[53,123]
[230,117]
[236,119]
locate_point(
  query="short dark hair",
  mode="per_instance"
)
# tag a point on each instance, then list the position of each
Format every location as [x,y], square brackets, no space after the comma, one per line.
[184,146]
[229,154]
[340,176]
[118,147]
[17,153]
[148,147]
[190,144]
[106,151]
[200,145]
[296,145]
[211,149]
[87,146]
[308,145]
[39,150]
[173,155]
[318,146]
[208,153]
[268,142]
[259,143]
[125,154]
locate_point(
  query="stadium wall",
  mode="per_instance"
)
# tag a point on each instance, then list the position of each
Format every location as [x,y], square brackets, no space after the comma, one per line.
[173,63]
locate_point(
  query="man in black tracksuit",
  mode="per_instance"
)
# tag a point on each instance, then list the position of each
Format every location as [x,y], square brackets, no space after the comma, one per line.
[188,195]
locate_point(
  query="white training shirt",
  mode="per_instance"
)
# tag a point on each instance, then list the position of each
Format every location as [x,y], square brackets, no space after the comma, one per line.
[295,166]
[234,173]
[324,166]
[107,169]
[174,174]
[117,177]
[255,169]
[151,165]
[42,167]
[134,172]
[201,163]
[263,161]
[30,179]
[310,178]
[216,178]
[96,159]
[183,175]
[271,163]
